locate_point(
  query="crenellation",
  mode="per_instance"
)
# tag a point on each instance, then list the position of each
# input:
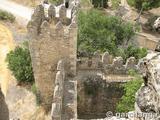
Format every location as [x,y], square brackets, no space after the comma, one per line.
[52,12]
[107,63]
[50,42]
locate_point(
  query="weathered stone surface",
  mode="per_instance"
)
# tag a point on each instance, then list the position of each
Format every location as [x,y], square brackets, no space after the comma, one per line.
[96,96]
[157,23]
[52,12]
[131,63]
[62,14]
[105,58]
[4,112]
[56,111]
[36,21]
[118,62]
[147,97]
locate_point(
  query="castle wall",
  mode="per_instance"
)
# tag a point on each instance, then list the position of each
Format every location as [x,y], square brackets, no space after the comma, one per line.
[50,43]
[107,64]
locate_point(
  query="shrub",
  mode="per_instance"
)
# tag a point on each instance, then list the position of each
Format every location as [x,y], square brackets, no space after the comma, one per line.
[145,4]
[99,3]
[98,32]
[6,16]
[132,51]
[56,2]
[116,3]
[19,62]
[127,101]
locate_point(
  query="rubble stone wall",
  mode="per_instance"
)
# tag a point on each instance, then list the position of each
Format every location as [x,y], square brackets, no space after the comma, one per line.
[49,43]
[107,63]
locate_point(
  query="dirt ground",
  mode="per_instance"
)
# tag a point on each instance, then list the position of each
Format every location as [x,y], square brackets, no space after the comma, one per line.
[29,3]
[6,44]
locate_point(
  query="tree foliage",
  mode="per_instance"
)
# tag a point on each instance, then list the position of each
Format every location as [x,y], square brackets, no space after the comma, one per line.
[145,4]
[56,2]
[128,99]
[132,51]
[99,3]
[100,32]
[19,62]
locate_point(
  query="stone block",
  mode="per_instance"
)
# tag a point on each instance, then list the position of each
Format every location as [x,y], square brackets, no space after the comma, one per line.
[131,63]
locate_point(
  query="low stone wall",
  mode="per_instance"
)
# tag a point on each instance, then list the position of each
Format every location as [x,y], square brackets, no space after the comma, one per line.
[107,63]
[96,97]
[56,111]
[147,41]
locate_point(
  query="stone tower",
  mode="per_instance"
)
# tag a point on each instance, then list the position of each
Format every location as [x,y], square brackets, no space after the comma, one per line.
[51,39]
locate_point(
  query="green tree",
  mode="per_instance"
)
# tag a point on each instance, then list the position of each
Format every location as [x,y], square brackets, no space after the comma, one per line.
[99,3]
[100,32]
[127,101]
[19,62]
[145,4]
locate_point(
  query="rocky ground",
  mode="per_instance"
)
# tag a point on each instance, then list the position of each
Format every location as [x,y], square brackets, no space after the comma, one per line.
[21,102]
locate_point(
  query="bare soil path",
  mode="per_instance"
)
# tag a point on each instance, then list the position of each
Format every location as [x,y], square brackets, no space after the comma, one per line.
[22,13]
[6,44]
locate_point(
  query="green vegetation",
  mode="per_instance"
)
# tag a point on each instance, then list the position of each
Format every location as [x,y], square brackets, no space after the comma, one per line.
[128,99]
[36,93]
[145,4]
[132,51]
[99,3]
[57,2]
[6,16]
[33,88]
[98,32]
[19,62]
[115,3]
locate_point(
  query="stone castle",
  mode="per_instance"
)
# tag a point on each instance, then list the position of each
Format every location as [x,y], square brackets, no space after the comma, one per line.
[53,40]
[57,70]
[53,48]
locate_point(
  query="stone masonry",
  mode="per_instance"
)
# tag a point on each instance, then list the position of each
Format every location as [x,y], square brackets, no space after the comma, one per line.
[107,63]
[51,41]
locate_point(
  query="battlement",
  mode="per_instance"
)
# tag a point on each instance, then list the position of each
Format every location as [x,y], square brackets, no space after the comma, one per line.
[56,111]
[107,63]
[51,41]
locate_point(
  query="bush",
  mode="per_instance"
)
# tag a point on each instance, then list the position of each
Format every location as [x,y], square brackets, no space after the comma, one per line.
[127,101]
[145,4]
[99,3]
[116,3]
[19,62]
[132,51]
[56,2]
[6,16]
[98,32]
